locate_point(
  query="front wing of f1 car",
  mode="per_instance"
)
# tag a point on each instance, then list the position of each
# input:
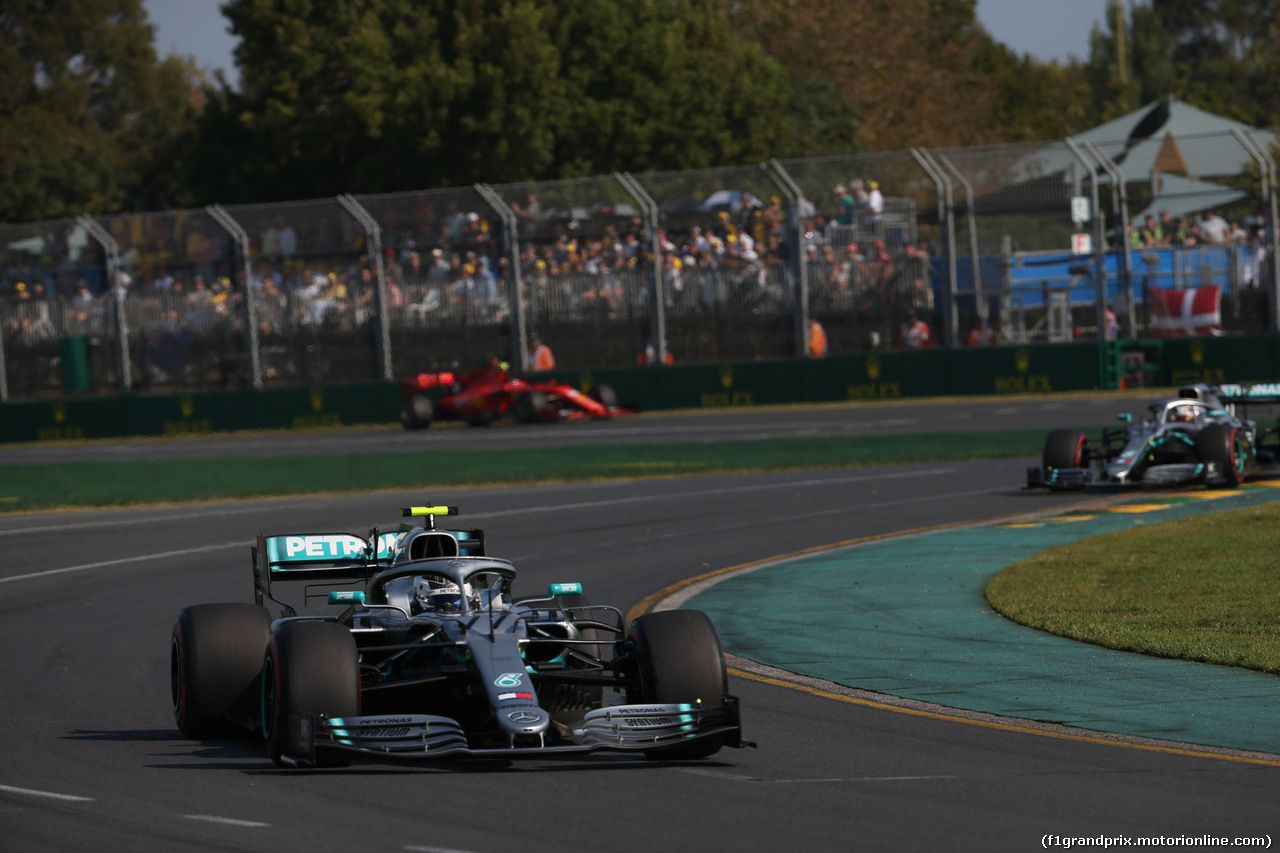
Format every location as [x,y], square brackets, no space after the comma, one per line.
[421,736]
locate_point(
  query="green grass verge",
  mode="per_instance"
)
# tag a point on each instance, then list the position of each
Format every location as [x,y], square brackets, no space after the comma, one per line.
[28,487]
[1203,588]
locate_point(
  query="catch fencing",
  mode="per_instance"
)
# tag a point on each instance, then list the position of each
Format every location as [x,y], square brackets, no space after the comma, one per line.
[1036,242]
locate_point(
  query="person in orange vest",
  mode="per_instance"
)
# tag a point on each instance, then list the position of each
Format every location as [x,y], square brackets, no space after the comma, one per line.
[817,340]
[540,356]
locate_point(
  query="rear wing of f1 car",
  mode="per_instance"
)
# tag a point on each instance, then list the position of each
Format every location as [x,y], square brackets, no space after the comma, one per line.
[1250,393]
[325,562]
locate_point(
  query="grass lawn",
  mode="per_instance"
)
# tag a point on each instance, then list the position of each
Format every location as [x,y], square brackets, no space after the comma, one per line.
[1203,588]
[29,487]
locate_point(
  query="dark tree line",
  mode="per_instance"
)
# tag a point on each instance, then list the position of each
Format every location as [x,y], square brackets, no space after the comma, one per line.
[385,95]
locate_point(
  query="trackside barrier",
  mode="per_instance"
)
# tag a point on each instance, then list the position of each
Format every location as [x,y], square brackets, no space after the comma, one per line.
[981,371]
[198,413]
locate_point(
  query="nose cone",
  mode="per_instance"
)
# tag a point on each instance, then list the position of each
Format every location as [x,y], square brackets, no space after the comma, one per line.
[524,721]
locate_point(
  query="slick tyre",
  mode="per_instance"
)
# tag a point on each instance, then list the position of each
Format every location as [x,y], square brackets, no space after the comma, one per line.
[604,395]
[309,668]
[1066,448]
[1220,444]
[530,406]
[416,412]
[680,660]
[215,666]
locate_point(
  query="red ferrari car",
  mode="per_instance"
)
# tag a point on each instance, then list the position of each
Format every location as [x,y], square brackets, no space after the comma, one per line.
[480,396]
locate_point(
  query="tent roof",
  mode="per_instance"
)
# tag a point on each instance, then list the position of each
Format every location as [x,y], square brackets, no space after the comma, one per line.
[1175,137]
[1181,196]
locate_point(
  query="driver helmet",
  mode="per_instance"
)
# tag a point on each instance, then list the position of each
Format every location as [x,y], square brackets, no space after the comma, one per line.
[1183,414]
[436,594]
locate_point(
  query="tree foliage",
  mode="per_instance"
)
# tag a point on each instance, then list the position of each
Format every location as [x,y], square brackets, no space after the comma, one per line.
[89,120]
[388,95]
[1219,55]
[904,67]
[403,94]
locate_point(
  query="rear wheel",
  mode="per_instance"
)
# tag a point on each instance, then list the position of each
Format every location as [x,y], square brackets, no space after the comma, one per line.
[313,668]
[416,412]
[1066,448]
[215,666]
[680,661]
[1221,444]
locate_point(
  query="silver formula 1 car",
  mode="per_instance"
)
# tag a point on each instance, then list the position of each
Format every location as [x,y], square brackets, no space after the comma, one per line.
[1200,436]
[409,645]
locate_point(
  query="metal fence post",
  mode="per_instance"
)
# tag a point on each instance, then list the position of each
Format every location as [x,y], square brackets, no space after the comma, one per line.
[975,261]
[799,269]
[112,250]
[515,285]
[1120,195]
[1100,269]
[1267,178]
[252,356]
[657,306]
[945,213]
[372,230]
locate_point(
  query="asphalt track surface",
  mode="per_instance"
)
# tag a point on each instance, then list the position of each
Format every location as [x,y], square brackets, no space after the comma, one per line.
[92,760]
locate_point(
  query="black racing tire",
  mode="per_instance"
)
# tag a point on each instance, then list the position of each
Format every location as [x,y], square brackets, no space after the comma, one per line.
[312,667]
[680,660]
[529,406]
[604,395]
[1066,448]
[416,412]
[215,667]
[1219,443]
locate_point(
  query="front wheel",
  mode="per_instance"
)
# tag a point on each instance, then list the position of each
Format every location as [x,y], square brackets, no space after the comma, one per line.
[309,668]
[215,664]
[1066,448]
[1221,445]
[680,661]
[604,395]
[530,406]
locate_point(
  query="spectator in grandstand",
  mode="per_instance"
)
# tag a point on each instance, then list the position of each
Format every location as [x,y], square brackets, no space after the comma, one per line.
[874,212]
[1113,325]
[1254,257]
[1167,227]
[80,309]
[859,191]
[41,322]
[288,239]
[1236,233]
[540,355]
[844,205]
[529,213]
[979,336]
[1213,228]
[914,332]
[816,264]
[199,297]
[1152,233]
